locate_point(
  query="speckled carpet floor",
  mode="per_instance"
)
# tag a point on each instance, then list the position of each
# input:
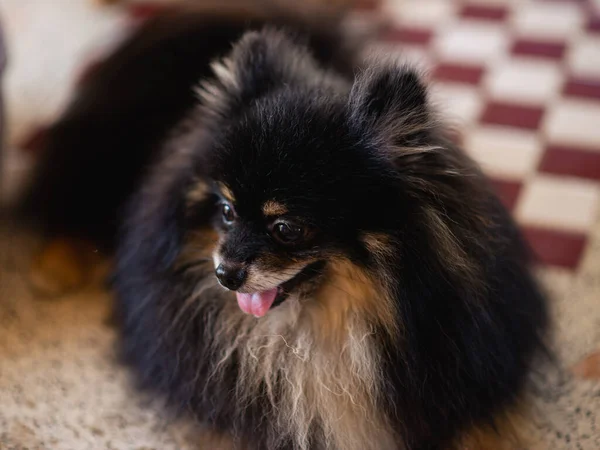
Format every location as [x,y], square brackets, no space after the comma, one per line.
[60,385]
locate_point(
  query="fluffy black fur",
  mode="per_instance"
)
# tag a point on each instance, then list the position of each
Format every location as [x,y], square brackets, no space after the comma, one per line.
[353,156]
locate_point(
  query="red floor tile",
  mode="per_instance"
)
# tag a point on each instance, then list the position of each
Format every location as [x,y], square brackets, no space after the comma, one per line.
[580,87]
[527,47]
[555,247]
[406,35]
[458,73]
[484,12]
[563,160]
[508,191]
[512,115]
[593,25]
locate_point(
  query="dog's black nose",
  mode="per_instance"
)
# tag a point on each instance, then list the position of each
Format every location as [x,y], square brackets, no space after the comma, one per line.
[231,276]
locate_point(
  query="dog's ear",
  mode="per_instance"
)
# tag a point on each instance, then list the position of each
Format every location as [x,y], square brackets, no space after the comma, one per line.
[258,62]
[390,100]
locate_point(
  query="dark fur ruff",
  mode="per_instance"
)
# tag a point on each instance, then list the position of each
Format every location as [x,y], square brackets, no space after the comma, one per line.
[424,320]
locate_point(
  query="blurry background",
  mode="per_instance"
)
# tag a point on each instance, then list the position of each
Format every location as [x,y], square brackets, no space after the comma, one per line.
[519,79]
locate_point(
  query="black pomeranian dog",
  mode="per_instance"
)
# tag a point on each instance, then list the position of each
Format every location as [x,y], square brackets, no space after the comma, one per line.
[309,262]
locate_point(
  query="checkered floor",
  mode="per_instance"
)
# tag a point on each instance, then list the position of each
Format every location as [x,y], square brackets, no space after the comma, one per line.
[520,80]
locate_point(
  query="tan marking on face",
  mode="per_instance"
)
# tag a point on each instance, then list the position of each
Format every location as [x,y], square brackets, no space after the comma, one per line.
[259,280]
[197,193]
[267,271]
[273,208]
[226,192]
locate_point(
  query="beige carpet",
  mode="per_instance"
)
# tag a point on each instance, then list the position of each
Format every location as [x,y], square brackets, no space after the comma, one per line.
[60,386]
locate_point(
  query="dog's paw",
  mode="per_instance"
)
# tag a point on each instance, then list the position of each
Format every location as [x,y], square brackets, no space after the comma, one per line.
[589,367]
[63,266]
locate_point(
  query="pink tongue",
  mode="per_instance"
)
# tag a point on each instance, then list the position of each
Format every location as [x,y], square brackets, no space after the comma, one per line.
[258,303]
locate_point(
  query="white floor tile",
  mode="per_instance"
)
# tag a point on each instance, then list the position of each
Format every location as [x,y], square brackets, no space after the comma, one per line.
[548,20]
[420,14]
[584,57]
[575,122]
[552,201]
[505,152]
[525,81]
[461,104]
[472,42]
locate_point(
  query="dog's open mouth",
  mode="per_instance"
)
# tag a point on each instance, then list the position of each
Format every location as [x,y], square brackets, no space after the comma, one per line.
[259,303]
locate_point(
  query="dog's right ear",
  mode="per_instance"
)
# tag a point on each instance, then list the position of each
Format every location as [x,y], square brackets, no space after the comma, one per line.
[258,62]
[391,99]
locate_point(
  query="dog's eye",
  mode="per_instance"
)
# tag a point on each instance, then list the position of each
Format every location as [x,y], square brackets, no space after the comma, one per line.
[228,214]
[287,233]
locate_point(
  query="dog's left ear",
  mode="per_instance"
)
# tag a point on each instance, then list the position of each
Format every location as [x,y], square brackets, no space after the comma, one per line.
[391,100]
[258,62]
